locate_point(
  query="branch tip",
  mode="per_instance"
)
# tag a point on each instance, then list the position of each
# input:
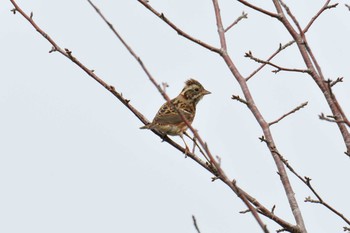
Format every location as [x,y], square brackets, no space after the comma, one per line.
[347,6]
[195,223]
[53,49]
[238,98]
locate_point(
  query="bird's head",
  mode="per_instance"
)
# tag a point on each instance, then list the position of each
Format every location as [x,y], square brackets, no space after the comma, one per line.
[194,91]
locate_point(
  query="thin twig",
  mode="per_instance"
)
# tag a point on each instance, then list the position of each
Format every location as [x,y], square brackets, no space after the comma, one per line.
[326,6]
[195,224]
[338,80]
[259,9]
[307,181]
[239,99]
[177,29]
[68,54]
[279,68]
[242,16]
[292,17]
[289,113]
[280,48]
[224,55]
[347,6]
[331,118]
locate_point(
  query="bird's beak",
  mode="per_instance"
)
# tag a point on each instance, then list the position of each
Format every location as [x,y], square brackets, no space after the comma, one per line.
[205,92]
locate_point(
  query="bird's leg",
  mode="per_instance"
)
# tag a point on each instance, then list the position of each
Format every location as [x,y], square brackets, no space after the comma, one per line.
[196,144]
[187,150]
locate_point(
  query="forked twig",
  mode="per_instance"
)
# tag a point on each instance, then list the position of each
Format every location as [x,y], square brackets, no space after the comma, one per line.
[278,68]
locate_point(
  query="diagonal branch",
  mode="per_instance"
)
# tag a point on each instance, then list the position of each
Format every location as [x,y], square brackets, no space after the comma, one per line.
[280,48]
[271,14]
[242,16]
[178,30]
[68,54]
[307,181]
[289,113]
[316,72]
[195,224]
[263,124]
[216,169]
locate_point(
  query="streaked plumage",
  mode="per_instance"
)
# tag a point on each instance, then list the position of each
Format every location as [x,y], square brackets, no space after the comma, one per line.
[168,120]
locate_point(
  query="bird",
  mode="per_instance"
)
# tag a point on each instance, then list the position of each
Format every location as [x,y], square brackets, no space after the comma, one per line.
[168,120]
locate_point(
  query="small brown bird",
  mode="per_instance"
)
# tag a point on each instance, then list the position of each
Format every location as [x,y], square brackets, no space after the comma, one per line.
[168,120]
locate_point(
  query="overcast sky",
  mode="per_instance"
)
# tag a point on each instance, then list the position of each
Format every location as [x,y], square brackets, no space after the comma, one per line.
[72,158]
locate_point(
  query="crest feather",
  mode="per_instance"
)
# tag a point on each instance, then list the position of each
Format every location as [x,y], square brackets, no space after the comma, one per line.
[192,81]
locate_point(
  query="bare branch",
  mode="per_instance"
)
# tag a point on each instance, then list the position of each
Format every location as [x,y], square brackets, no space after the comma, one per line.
[195,224]
[289,113]
[319,200]
[178,30]
[238,98]
[292,17]
[316,73]
[243,16]
[338,80]
[274,15]
[347,6]
[313,19]
[279,68]
[326,6]
[307,181]
[68,54]
[215,168]
[280,48]
[331,118]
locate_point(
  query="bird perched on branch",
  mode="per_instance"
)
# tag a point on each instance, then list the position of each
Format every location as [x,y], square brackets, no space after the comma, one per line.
[168,120]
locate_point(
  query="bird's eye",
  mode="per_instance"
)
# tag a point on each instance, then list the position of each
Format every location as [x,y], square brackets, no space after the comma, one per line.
[196,89]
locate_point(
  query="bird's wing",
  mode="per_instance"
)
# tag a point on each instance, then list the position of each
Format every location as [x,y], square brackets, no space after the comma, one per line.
[168,115]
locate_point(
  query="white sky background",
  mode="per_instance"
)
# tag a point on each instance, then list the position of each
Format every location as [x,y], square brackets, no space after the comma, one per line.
[72,158]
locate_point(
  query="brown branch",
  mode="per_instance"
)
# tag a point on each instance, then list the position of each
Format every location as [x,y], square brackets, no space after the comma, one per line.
[316,73]
[319,200]
[243,16]
[307,181]
[68,54]
[214,165]
[326,6]
[338,80]
[264,125]
[215,168]
[292,17]
[279,68]
[274,15]
[313,19]
[178,30]
[280,48]
[289,113]
[331,118]
[239,99]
